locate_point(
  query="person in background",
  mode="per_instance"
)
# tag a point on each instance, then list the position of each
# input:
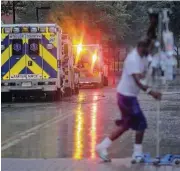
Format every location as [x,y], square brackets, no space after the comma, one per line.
[174,67]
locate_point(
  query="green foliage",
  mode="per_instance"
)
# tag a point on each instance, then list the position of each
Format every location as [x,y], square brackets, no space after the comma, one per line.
[115,20]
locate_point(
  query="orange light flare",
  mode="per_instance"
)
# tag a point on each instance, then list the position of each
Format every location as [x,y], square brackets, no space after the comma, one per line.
[79,130]
[79,49]
[93,131]
[94,60]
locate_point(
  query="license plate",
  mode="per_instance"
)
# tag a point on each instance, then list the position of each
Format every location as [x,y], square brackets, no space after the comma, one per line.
[26,84]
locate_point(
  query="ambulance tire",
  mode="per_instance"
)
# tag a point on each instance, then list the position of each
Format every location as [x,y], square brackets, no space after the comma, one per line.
[68,92]
[49,96]
[98,85]
[6,97]
[95,85]
[52,96]
[57,95]
[76,90]
[105,81]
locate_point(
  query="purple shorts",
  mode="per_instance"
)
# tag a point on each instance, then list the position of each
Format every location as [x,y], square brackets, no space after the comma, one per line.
[132,115]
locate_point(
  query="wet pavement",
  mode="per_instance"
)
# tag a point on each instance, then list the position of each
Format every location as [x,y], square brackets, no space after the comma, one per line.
[67,164]
[71,128]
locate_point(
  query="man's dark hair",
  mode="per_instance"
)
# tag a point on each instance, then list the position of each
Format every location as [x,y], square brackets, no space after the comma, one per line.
[143,43]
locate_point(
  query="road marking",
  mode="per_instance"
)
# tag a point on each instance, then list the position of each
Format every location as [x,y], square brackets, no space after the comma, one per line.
[30,132]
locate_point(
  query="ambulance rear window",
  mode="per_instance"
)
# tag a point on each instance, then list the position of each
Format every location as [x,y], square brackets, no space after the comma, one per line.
[34,46]
[17,47]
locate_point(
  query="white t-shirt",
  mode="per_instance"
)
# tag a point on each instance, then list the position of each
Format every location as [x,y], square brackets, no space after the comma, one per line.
[133,64]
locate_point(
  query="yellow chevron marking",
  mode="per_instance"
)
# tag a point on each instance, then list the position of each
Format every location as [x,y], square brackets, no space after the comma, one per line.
[10,50]
[35,68]
[24,40]
[3,36]
[50,59]
[5,55]
[49,35]
[16,69]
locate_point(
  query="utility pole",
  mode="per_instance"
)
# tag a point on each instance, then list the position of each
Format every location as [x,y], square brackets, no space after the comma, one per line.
[37,11]
[14,11]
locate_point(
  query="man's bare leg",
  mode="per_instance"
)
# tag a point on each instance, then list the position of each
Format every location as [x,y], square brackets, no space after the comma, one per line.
[117,132]
[139,137]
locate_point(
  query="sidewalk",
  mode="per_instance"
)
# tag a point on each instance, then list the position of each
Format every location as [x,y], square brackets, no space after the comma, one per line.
[67,164]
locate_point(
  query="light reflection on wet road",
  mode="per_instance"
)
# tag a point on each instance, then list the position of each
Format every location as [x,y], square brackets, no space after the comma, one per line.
[73,127]
[79,131]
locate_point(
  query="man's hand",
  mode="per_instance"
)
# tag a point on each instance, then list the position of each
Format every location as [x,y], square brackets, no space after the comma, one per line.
[142,76]
[156,95]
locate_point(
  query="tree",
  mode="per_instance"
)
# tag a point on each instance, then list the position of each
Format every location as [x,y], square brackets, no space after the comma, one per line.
[104,17]
[116,21]
[11,7]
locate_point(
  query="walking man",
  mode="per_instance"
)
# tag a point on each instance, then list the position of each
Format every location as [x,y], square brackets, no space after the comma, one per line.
[127,92]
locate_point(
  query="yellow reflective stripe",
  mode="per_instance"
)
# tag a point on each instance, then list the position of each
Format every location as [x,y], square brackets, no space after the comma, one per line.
[3,36]
[16,69]
[24,40]
[5,55]
[10,51]
[35,68]
[50,59]
[49,35]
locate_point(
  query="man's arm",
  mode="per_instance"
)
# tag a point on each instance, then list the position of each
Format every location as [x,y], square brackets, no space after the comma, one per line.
[137,78]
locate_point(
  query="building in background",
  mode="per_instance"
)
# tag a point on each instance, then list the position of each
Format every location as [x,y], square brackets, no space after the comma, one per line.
[6,19]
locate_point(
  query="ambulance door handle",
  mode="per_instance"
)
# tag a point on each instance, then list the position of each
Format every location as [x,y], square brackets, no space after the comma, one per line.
[17,58]
[30,63]
[34,58]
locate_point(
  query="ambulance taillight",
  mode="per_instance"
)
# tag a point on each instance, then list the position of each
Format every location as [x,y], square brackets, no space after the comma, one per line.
[33,29]
[25,30]
[52,29]
[16,30]
[42,29]
[7,30]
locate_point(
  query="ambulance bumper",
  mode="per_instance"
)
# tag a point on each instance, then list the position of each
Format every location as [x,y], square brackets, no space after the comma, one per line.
[43,89]
[29,85]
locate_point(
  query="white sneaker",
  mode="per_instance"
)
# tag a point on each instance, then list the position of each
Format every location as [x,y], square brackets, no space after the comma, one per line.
[137,158]
[102,153]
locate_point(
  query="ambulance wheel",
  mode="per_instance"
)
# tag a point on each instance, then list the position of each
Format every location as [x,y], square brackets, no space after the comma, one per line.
[76,90]
[68,92]
[58,95]
[98,85]
[49,96]
[6,97]
[105,81]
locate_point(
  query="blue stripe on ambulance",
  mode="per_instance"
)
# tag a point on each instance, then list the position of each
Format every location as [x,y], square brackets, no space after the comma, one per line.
[14,60]
[6,43]
[23,71]
[4,68]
